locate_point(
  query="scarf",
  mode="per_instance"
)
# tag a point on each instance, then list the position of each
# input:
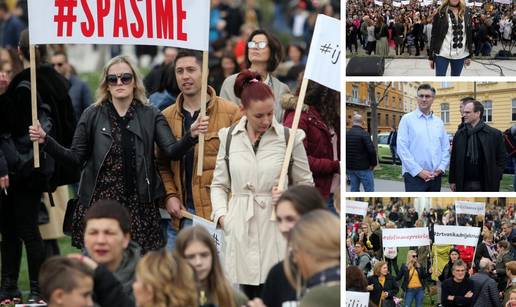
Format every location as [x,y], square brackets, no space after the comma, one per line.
[472,153]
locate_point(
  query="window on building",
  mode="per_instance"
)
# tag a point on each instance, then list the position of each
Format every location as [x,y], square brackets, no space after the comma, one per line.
[445,84]
[514,109]
[386,119]
[394,119]
[445,112]
[488,111]
[354,94]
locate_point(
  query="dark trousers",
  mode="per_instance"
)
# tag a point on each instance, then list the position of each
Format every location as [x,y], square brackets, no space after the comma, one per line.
[416,184]
[472,186]
[392,264]
[252,291]
[19,223]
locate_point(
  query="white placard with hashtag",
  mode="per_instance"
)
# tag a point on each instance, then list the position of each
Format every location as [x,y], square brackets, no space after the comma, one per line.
[356,207]
[323,64]
[216,234]
[177,23]
[469,207]
[400,237]
[459,235]
[357,299]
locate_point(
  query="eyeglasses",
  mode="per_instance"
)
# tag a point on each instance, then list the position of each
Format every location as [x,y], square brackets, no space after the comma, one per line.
[58,64]
[425,96]
[259,45]
[414,256]
[125,78]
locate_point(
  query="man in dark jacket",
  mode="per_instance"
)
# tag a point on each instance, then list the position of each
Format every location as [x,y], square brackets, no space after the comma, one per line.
[361,156]
[485,288]
[457,291]
[478,154]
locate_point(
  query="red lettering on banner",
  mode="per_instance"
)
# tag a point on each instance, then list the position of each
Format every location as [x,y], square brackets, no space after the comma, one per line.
[120,19]
[102,11]
[136,27]
[88,27]
[165,19]
[181,16]
[150,32]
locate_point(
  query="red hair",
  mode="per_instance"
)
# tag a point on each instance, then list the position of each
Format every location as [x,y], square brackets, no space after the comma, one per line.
[249,86]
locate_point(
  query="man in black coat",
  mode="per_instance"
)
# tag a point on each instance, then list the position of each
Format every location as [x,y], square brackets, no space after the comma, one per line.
[478,154]
[458,290]
[361,156]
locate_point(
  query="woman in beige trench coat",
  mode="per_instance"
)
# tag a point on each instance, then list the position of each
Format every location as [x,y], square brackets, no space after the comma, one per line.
[253,241]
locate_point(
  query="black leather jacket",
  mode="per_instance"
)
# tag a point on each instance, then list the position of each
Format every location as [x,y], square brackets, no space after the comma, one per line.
[92,141]
[440,29]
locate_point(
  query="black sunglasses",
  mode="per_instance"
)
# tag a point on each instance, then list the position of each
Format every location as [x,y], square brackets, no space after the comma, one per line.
[125,78]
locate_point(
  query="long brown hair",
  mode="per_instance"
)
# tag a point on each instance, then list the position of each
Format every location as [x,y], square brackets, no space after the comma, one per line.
[325,100]
[218,286]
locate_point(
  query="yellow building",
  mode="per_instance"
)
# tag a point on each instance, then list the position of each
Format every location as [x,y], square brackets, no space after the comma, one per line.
[389,111]
[499,99]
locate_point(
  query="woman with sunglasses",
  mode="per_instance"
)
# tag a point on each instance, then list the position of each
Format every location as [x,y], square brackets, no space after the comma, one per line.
[114,144]
[414,276]
[263,54]
[451,42]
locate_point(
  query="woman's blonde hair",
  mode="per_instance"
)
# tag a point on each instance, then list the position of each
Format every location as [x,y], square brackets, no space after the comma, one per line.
[170,277]
[102,94]
[462,7]
[218,286]
[316,234]
[408,260]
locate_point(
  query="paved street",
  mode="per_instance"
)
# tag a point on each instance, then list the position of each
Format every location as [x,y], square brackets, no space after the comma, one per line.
[381,185]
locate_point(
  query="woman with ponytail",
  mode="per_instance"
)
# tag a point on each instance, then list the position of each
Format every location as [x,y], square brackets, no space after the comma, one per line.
[249,171]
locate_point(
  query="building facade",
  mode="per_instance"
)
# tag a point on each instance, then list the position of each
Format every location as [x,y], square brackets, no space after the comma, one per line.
[389,111]
[498,98]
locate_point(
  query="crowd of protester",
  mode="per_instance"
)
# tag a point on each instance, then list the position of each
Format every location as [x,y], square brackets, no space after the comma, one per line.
[137,169]
[406,30]
[450,275]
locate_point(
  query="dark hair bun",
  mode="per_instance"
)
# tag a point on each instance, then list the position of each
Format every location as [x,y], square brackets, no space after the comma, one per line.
[243,79]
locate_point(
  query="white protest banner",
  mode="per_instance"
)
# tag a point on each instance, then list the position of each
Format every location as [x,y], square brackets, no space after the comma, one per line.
[467,207]
[396,4]
[178,23]
[216,234]
[357,299]
[503,1]
[405,2]
[323,63]
[460,235]
[400,237]
[356,207]
[379,3]
[479,4]
[470,4]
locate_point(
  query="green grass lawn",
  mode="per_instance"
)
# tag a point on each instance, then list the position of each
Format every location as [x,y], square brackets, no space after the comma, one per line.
[393,172]
[65,246]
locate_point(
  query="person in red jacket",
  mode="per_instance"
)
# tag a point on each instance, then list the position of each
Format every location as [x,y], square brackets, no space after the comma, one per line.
[466,253]
[321,123]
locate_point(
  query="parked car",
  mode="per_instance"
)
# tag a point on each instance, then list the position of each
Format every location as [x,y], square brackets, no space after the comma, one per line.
[383,150]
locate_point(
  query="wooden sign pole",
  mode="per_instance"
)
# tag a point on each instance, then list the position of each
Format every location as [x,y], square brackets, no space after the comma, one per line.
[34,100]
[204,96]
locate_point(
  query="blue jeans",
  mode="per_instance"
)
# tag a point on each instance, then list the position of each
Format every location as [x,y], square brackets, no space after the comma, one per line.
[416,184]
[417,294]
[361,176]
[441,66]
[486,49]
[170,232]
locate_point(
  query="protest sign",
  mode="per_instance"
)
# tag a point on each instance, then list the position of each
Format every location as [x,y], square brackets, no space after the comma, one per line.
[405,2]
[400,237]
[216,234]
[473,208]
[356,207]
[357,299]
[322,66]
[178,23]
[377,2]
[457,235]
[323,63]
[396,4]
[503,1]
